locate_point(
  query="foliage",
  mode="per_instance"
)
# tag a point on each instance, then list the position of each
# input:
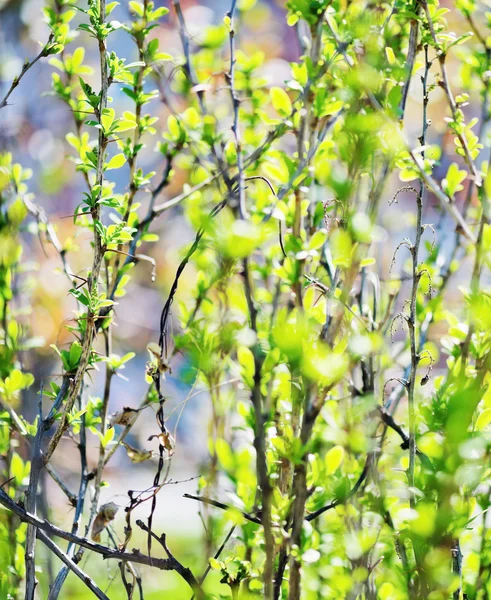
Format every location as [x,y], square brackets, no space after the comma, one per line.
[353,456]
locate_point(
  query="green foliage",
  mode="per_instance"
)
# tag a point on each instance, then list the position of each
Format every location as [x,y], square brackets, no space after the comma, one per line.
[351,459]
[14,470]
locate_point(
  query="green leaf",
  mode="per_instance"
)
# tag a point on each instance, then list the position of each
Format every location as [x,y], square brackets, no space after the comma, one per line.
[107,438]
[246,361]
[75,354]
[483,419]
[225,454]
[334,458]
[341,248]
[107,119]
[124,125]
[78,58]
[110,7]
[391,57]
[281,101]
[136,7]
[215,564]
[80,296]
[452,182]
[17,212]
[174,128]
[116,162]
[318,240]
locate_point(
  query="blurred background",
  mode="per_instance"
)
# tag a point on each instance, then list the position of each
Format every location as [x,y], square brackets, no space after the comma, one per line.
[33,128]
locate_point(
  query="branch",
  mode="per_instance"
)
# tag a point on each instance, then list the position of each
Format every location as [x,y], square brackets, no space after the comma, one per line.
[91,329]
[230,77]
[217,555]
[25,68]
[411,55]
[107,553]
[183,571]
[349,495]
[31,505]
[216,504]
[451,101]
[42,219]
[188,65]
[88,581]
[445,201]
[388,420]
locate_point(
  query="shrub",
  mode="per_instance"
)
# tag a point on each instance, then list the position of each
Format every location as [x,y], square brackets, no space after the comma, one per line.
[349,436]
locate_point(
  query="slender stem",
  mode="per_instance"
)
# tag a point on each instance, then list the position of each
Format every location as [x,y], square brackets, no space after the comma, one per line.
[104,425]
[416,276]
[411,57]
[79,508]
[92,283]
[221,505]
[450,98]
[27,65]
[70,564]
[107,553]
[183,571]
[132,160]
[236,105]
[31,505]
[446,202]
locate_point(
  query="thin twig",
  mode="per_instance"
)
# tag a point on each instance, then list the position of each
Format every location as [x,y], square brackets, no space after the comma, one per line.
[107,553]
[27,65]
[221,505]
[183,571]
[70,564]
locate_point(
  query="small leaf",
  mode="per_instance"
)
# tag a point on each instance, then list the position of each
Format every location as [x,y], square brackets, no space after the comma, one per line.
[125,125]
[334,459]
[136,7]
[110,7]
[483,419]
[318,239]
[116,162]
[215,564]
[75,354]
[246,361]
[391,57]
[281,101]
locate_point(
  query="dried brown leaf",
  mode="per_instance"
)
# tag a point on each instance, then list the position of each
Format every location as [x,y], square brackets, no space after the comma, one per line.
[106,514]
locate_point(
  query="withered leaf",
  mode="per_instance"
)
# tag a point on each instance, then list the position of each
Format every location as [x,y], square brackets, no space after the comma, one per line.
[106,514]
[123,417]
[137,456]
[157,361]
[166,440]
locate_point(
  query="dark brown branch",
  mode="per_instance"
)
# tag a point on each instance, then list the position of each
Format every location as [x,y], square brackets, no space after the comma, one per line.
[31,504]
[349,495]
[107,553]
[183,571]
[88,581]
[388,420]
[223,506]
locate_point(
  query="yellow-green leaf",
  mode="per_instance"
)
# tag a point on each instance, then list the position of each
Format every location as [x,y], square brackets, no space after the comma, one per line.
[483,419]
[281,101]
[334,459]
[116,162]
